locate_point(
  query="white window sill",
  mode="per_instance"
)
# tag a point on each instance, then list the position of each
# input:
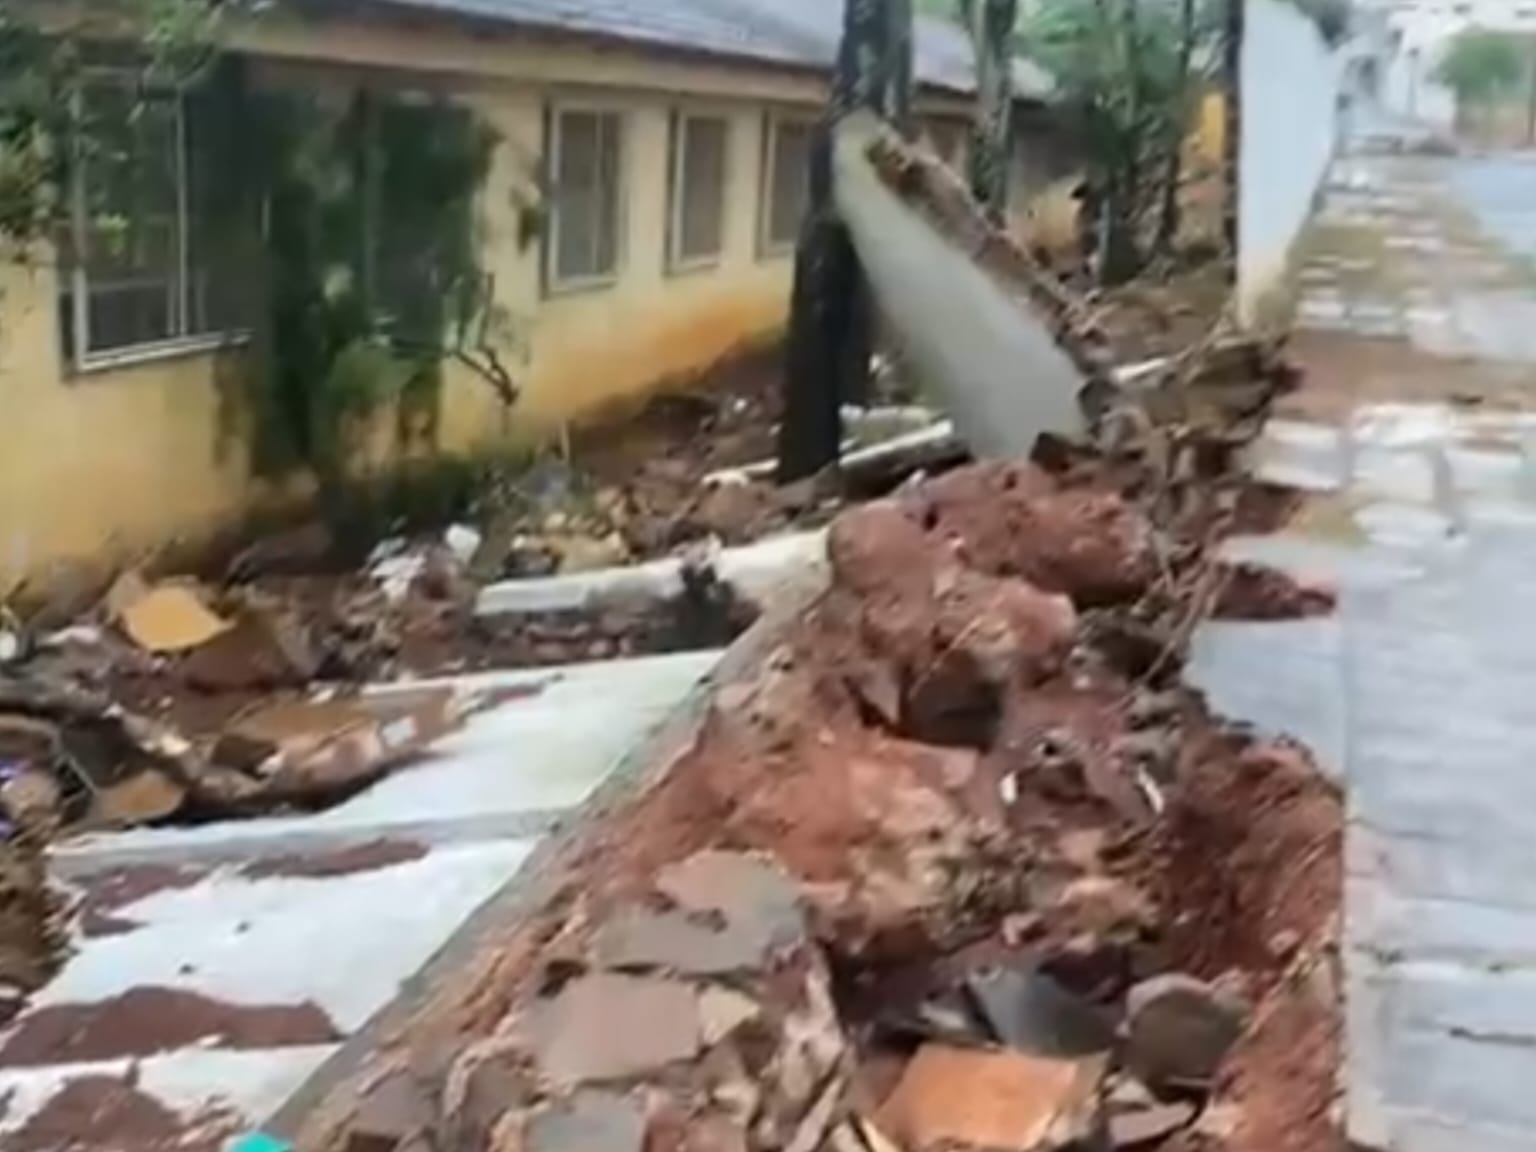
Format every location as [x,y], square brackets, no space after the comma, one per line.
[693,265]
[580,285]
[95,363]
[777,251]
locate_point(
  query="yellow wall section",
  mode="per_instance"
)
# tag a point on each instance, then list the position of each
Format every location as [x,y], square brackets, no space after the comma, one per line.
[115,462]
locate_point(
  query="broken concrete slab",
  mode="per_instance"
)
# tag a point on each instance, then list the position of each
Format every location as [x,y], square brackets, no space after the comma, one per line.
[966,336]
[609,1027]
[955,1097]
[755,571]
[313,747]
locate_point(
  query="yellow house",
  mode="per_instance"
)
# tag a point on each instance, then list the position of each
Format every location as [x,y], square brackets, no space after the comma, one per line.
[660,148]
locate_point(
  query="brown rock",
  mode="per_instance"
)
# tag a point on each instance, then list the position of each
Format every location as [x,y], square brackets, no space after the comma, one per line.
[954,1097]
[1179,1030]
[265,649]
[1009,520]
[394,1111]
[878,545]
[607,1027]
[142,798]
[736,513]
[984,637]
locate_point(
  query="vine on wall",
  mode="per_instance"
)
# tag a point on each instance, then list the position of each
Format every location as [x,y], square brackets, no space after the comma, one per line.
[371,279]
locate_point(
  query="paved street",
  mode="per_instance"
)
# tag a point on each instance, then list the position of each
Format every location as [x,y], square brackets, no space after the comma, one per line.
[1419,318]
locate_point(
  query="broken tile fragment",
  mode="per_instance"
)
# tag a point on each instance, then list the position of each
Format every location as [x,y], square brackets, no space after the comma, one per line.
[609,1027]
[1031,1012]
[752,895]
[1144,1127]
[966,1098]
[589,1121]
[635,937]
[722,1012]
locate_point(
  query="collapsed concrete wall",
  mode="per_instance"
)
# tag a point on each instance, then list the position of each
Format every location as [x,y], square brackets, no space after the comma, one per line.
[1291,81]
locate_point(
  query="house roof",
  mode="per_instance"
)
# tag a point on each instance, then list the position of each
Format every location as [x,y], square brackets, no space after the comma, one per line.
[801,33]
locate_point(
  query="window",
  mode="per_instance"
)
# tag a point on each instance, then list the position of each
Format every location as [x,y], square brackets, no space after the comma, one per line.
[696,233]
[586,160]
[786,181]
[135,250]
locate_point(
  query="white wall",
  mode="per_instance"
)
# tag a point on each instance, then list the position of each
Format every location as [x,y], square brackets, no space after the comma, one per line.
[1290,125]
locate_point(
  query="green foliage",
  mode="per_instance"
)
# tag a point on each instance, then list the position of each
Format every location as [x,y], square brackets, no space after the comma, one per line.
[372,276]
[1481,66]
[40,75]
[1125,76]
[345,231]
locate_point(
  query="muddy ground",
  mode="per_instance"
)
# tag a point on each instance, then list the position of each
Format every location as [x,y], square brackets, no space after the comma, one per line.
[974,750]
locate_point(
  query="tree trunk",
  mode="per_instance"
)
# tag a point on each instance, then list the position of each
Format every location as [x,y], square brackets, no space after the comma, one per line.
[1170,219]
[1120,258]
[1232,137]
[1530,97]
[828,347]
[992,24]
[899,67]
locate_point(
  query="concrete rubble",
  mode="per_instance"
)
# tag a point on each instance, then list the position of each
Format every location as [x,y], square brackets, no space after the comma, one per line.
[957,864]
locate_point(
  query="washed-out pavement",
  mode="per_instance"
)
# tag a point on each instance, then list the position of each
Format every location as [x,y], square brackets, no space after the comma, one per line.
[1417,693]
[223,966]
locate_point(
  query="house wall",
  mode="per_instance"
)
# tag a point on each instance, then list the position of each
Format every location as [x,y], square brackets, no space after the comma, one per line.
[109,462]
[1290,86]
[112,462]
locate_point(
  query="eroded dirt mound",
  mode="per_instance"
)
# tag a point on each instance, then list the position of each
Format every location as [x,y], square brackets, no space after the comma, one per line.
[1013,838]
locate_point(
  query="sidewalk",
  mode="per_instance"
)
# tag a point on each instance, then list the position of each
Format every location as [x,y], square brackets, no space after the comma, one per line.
[221,968]
[1416,432]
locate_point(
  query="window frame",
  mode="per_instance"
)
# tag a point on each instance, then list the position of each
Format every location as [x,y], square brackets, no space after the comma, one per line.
[554,283]
[769,248]
[676,262]
[80,359]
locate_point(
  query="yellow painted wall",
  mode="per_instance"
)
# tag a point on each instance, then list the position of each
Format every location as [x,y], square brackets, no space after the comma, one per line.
[114,461]
[117,462]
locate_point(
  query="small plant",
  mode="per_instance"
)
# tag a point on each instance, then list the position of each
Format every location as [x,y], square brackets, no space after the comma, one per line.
[1126,75]
[1481,67]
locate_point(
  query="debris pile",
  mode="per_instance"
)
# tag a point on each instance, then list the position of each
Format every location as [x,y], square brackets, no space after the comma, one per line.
[960,864]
